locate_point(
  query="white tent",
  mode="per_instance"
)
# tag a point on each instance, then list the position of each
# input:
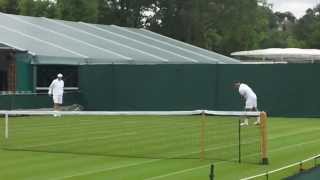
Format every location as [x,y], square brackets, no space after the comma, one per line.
[292,55]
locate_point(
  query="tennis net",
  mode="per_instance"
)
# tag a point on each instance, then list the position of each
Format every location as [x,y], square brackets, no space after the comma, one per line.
[213,135]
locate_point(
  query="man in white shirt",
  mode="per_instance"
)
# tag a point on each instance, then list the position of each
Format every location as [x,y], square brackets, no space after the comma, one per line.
[250,99]
[56,90]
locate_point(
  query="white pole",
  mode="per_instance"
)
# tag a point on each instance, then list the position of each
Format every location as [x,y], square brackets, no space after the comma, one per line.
[7,126]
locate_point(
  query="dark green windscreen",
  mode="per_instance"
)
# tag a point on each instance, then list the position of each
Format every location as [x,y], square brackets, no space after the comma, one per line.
[282,89]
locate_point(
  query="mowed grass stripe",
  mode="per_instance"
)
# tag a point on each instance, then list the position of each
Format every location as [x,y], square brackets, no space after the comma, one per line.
[104,129]
[272,151]
[213,147]
[105,123]
[115,168]
[114,130]
[34,120]
[299,128]
[165,139]
[191,169]
[283,148]
[153,133]
[65,125]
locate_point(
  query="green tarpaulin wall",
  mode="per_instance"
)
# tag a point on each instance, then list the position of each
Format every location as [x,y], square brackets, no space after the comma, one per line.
[24,73]
[282,89]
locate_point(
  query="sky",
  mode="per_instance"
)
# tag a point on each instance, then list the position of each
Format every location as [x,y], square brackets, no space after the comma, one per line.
[297,7]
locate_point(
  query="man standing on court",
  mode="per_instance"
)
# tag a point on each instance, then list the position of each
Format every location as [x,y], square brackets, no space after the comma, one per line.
[250,100]
[56,90]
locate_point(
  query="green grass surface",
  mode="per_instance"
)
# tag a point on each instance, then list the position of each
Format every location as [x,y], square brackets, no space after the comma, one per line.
[136,148]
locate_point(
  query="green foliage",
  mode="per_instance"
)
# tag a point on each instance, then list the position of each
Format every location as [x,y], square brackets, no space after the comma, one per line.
[44,8]
[9,6]
[307,28]
[245,24]
[314,37]
[275,39]
[78,10]
[122,12]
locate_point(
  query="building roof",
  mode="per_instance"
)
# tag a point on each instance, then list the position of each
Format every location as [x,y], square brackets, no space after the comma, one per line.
[281,54]
[71,43]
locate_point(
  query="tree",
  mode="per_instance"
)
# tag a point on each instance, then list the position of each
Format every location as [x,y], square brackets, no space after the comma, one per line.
[123,12]
[307,28]
[241,23]
[9,6]
[77,10]
[44,8]
[219,25]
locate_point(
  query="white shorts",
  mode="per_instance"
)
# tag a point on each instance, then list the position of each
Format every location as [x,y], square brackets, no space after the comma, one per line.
[251,103]
[57,99]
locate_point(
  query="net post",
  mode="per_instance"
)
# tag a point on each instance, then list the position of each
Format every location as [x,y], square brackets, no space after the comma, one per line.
[239,140]
[202,136]
[6,134]
[301,167]
[264,138]
[211,175]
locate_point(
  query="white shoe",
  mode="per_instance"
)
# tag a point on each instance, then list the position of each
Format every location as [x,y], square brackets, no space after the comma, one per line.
[244,123]
[56,115]
[256,123]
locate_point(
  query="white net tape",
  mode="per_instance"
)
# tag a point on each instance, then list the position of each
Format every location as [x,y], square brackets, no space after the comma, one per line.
[135,113]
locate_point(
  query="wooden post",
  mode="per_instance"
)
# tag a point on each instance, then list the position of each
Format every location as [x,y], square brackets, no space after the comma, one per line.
[6,133]
[264,138]
[202,136]
[12,76]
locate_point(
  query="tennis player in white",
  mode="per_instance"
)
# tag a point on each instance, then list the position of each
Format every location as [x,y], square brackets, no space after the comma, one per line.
[56,90]
[250,100]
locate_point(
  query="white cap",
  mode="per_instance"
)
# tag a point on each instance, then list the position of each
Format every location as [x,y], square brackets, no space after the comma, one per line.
[59,75]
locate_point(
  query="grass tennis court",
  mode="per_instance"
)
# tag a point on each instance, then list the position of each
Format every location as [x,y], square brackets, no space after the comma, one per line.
[90,147]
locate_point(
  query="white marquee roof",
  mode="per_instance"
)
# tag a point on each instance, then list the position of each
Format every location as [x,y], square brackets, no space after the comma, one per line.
[281,54]
[52,41]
